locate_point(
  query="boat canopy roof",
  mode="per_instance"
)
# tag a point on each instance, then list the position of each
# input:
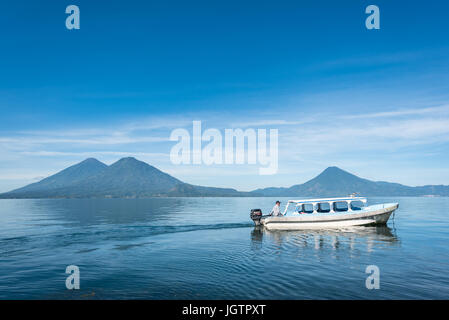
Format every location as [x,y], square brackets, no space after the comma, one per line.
[344,199]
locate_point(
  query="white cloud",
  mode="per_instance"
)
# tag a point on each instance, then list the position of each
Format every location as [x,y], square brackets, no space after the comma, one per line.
[404,112]
[94,154]
[94,140]
[308,143]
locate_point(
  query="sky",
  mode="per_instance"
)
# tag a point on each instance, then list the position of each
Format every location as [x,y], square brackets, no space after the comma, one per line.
[372,102]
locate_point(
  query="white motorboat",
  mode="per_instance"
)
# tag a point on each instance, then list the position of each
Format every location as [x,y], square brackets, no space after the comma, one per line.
[326,213]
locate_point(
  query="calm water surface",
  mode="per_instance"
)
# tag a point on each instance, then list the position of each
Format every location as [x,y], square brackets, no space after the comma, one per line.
[207,248]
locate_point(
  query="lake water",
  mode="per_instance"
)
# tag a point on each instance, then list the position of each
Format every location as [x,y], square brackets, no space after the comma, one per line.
[207,248]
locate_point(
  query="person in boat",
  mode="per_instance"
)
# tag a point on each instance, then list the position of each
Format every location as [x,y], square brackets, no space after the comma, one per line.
[276,209]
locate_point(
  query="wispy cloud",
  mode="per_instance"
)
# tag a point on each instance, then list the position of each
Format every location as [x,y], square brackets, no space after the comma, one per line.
[94,140]
[94,154]
[437,111]
[333,136]
[308,142]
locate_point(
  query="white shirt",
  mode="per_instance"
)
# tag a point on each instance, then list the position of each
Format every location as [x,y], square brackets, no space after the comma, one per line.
[276,211]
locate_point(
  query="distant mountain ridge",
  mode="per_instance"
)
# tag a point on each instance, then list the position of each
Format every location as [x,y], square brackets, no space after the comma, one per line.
[336,182]
[131,178]
[63,180]
[126,178]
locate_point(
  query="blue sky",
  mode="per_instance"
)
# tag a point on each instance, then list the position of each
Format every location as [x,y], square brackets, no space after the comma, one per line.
[373,102]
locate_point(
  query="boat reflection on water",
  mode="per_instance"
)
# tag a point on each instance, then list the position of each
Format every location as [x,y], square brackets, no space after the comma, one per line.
[366,238]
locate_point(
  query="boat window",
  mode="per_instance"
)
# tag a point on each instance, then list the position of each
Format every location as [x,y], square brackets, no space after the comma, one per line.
[341,206]
[323,207]
[291,209]
[357,205]
[307,208]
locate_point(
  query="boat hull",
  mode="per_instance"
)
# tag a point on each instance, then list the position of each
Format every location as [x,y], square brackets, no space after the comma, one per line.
[374,217]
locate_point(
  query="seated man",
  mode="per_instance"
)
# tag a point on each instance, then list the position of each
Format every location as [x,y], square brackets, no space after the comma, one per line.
[276,209]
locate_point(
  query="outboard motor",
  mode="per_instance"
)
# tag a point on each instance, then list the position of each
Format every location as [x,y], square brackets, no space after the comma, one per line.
[255,215]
